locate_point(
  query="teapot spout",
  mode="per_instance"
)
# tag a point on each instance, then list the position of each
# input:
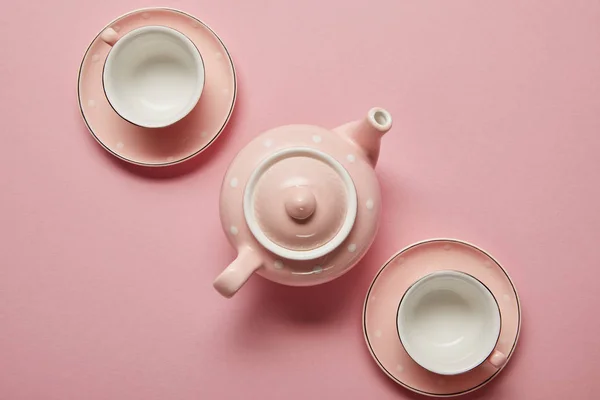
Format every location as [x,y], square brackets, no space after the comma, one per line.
[366,134]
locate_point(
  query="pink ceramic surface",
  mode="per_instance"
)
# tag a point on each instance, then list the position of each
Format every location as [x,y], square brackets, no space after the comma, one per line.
[106,269]
[301,203]
[310,209]
[390,284]
[174,143]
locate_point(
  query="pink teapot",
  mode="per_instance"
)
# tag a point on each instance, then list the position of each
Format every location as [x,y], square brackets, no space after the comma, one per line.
[301,203]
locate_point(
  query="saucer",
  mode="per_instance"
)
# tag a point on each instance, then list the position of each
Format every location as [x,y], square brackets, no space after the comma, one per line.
[176,143]
[390,284]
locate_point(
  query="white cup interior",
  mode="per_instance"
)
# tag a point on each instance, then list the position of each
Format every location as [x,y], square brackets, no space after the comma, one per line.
[153,76]
[448,322]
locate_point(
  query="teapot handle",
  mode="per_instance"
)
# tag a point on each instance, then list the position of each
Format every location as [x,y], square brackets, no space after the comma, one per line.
[238,272]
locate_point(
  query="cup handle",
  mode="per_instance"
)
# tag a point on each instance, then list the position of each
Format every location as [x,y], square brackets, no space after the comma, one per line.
[238,272]
[109,36]
[497,359]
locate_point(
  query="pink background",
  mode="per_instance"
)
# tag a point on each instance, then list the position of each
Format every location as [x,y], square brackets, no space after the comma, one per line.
[106,269]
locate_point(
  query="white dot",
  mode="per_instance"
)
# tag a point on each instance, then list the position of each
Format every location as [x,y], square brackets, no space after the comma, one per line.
[352,248]
[117,28]
[268,143]
[351,157]
[506,297]
[447,247]
[218,55]
[234,230]
[278,264]
[226,91]
[370,204]
[92,103]
[318,269]
[234,182]
[145,15]
[120,145]
[377,333]
[96,57]
[373,298]
[170,158]
[317,138]
[399,368]
[204,134]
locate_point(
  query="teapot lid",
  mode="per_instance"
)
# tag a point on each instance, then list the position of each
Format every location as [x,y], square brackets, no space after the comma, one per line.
[300,203]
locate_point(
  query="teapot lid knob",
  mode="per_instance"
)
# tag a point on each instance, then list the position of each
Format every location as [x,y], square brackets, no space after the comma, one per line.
[300,202]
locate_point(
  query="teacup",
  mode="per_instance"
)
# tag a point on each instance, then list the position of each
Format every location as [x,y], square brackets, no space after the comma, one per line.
[449,323]
[153,76]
